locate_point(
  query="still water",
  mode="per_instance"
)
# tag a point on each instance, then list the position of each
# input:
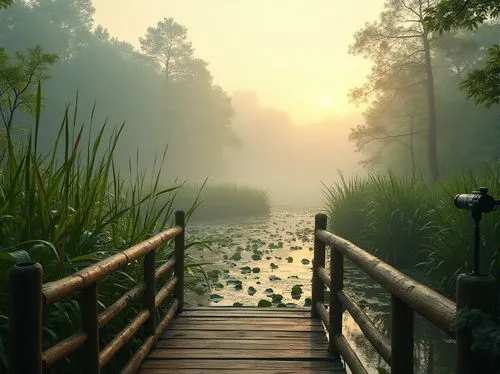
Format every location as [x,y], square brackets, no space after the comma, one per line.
[270,261]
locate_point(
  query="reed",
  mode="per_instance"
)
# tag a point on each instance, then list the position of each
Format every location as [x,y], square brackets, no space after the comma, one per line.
[70,206]
[412,223]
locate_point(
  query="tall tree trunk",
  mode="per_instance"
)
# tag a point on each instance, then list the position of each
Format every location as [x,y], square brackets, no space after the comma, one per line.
[431,105]
[412,148]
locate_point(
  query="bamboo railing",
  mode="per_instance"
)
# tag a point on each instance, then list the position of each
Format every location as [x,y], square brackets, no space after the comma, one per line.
[407,297]
[30,297]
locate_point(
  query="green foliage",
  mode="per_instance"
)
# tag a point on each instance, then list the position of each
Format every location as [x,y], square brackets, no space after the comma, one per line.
[224,201]
[68,208]
[396,131]
[5,3]
[410,222]
[449,14]
[482,84]
[18,80]
[167,44]
[124,82]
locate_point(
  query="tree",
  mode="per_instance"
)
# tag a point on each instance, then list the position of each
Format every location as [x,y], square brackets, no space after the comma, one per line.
[482,84]
[389,122]
[167,44]
[399,45]
[18,80]
[5,3]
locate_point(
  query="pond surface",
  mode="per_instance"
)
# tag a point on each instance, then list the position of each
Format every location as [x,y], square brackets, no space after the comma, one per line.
[269,262]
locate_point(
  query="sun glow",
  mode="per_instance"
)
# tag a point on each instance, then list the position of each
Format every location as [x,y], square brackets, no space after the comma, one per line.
[326,101]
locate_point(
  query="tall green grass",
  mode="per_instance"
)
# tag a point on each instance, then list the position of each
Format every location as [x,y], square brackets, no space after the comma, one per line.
[410,222]
[69,207]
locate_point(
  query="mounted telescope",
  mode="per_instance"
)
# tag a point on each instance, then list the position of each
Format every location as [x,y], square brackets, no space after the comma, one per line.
[478,202]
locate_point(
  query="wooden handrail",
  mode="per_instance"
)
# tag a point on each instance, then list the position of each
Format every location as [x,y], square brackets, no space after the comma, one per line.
[65,287]
[407,296]
[433,306]
[30,296]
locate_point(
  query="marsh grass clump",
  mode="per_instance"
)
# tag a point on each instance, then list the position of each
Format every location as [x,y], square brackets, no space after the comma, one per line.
[69,207]
[224,201]
[411,222]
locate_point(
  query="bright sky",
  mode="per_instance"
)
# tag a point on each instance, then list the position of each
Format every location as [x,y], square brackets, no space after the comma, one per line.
[293,53]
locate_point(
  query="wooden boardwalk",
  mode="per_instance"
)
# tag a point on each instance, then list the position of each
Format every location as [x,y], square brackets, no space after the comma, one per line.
[242,340]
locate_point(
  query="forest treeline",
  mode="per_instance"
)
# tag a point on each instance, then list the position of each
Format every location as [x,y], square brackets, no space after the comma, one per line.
[164,92]
[417,116]
[433,91]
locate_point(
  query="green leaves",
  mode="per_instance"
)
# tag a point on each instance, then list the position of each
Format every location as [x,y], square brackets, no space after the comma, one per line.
[16,257]
[167,44]
[5,3]
[18,80]
[482,84]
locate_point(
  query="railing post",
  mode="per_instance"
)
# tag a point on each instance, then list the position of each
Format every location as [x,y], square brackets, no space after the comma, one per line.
[401,337]
[317,288]
[150,292]
[474,292]
[179,260]
[26,318]
[336,307]
[90,324]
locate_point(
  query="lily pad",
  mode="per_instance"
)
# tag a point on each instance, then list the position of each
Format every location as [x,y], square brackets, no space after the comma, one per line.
[296,292]
[264,303]
[277,298]
[216,298]
[246,270]
[269,291]
[236,256]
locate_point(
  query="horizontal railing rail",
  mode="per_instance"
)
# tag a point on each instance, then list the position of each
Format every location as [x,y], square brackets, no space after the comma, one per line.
[407,296]
[30,297]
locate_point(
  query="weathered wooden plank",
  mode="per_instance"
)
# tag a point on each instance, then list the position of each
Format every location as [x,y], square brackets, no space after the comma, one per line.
[247,308]
[246,312]
[240,371]
[284,344]
[270,365]
[298,354]
[192,334]
[243,340]
[248,320]
[244,315]
[243,327]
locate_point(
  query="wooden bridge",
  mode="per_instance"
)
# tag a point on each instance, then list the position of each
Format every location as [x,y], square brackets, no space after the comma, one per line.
[223,339]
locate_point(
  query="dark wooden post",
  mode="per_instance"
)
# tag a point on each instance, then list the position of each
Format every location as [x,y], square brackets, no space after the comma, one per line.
[179,260]
[474,292]
[26,319]
[335,308]
[401,337]
[317,288]
[150,292]
[90,324]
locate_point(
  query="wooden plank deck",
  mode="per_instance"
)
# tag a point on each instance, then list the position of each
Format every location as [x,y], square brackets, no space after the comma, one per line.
[242,340]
